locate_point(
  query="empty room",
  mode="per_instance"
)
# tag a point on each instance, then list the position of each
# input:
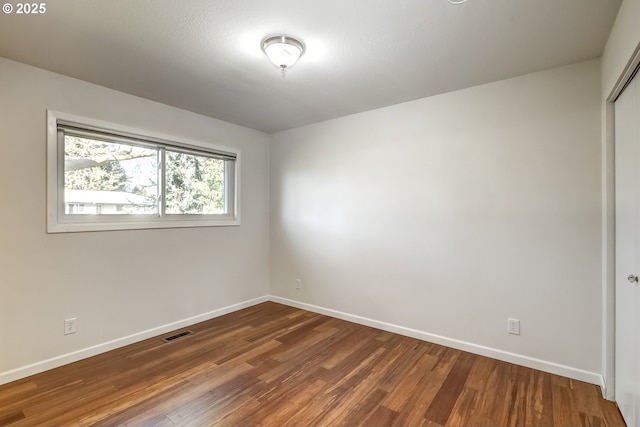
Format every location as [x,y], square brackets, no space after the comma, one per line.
[337,213]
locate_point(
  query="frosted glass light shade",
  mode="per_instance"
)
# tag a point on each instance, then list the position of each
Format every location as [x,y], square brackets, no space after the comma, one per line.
[283,51]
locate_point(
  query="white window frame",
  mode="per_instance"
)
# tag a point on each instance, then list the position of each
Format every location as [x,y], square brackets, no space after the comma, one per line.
[59,222]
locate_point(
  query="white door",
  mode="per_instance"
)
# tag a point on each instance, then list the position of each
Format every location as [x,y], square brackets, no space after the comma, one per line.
[627,339]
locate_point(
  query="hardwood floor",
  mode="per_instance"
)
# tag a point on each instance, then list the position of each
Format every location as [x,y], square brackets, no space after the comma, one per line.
[273,365]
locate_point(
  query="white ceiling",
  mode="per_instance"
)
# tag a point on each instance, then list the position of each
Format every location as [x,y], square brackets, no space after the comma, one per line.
[205,56]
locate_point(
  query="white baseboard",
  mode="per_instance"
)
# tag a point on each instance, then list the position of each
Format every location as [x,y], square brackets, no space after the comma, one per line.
[607,390]
[543,365]
[54,362]
[518,359]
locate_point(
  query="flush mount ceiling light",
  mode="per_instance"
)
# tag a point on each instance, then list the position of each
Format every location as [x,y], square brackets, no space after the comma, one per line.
[457,1]
[283,51]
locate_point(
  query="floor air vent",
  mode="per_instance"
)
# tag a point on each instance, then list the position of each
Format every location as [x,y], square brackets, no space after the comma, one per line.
[176,336]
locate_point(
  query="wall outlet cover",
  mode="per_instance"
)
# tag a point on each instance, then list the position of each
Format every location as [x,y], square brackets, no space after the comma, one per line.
[70,326]
[513,326]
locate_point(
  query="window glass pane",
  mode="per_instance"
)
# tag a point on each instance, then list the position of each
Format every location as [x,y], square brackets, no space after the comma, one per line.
[109,178]
[194,184]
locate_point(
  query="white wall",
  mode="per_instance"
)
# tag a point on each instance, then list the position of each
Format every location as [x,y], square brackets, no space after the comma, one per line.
[115,283]
[623,43]
[446,214]
[452,213]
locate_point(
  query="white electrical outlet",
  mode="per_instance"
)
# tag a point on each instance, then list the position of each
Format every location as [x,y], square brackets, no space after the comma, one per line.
[298,284]
[70,326]
[513,326]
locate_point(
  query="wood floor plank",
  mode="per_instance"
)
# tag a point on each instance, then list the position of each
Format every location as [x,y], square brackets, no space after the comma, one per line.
[317,408]
[463,408]
[273,365]
[409,383]
[612,416]
[565,412]
[479,373]
[11,418]
[288,405]
[440,409]
[430,376]
[379,417]
[410,353]
[539,407]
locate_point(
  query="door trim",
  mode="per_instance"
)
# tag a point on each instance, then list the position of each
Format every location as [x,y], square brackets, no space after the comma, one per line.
[608,224]
[626,76]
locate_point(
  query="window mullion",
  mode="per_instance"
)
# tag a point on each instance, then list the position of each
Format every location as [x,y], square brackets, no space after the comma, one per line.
[229,185]
[162,182]
[60,176]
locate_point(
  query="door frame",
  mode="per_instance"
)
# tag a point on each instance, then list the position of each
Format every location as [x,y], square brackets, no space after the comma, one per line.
[608,226]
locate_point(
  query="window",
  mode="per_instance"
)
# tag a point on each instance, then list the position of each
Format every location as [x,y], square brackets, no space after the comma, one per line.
[103,176]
